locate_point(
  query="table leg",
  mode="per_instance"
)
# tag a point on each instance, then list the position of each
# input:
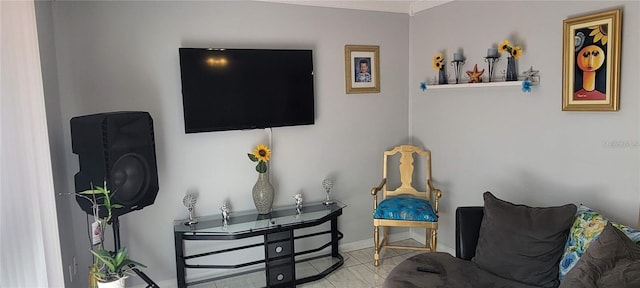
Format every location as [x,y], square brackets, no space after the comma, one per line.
[180,270]
[334,236]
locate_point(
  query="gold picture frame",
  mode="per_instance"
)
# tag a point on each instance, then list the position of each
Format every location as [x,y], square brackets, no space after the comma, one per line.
[362,68]
[591,62]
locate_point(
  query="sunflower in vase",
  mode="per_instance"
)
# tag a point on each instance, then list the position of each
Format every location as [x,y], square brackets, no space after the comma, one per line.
[438,62]
[514,52]
[261,154]
[438,65]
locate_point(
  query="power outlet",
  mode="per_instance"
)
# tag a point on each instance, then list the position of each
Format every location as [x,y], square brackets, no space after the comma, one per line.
[70,274]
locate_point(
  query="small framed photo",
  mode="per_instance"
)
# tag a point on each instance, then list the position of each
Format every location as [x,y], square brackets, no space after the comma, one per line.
[591,62]
[362,68]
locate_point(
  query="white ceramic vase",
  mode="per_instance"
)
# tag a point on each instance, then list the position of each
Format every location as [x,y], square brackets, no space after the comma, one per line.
[113,284]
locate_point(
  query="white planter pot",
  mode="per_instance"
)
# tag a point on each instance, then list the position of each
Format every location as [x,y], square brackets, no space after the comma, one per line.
[113,284]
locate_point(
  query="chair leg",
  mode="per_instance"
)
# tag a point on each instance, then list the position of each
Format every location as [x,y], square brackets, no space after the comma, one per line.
[427,238]
[376,246]
[385,238]
[434,239]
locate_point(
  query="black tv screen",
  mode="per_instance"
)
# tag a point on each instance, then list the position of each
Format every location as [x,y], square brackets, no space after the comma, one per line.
[233,89]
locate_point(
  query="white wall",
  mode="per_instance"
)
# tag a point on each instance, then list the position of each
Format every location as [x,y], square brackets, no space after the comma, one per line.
[124,56]
[521,146]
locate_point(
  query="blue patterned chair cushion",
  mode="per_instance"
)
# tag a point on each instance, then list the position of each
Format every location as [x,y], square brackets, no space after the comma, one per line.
[405,208]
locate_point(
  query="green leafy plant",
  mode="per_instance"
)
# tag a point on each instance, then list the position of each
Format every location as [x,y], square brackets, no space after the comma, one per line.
[112,265]
[115,266]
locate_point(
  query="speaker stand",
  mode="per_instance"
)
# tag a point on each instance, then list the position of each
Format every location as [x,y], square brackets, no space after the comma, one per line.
[115,224]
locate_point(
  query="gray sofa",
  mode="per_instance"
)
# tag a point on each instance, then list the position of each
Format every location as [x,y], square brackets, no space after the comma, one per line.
[508,245]
[490,241]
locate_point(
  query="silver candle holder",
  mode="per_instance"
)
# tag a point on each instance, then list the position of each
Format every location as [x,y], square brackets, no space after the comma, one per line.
[491,61]
[457,68]
[190,201]
[298,198]
[327,185]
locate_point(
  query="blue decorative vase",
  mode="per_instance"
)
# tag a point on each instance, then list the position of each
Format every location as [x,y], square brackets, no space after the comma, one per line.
[263,194]
[512,71]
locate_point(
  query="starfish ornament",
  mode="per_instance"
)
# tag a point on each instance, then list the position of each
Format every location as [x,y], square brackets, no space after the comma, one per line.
[530,74]
[474,76]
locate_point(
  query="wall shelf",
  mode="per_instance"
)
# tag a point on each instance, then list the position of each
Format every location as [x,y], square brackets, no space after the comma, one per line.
[483,84]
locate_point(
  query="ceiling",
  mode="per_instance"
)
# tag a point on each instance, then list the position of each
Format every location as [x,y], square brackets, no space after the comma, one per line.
[399,6]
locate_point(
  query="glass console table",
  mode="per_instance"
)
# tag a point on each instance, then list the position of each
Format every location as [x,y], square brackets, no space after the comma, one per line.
[276,233]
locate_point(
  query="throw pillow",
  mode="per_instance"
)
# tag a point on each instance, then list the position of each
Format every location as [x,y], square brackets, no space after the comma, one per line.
[587,226]
[612,260]
[523,243]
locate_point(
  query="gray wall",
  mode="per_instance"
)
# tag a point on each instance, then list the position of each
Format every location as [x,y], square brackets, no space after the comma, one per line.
[46,44]
[521,146]
[124,56]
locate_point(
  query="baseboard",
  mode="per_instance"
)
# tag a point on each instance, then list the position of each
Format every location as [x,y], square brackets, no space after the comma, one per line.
[347,247]
[368,243]
[420,237]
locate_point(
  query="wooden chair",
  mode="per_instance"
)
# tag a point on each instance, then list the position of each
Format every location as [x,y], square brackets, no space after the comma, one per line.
[405,206]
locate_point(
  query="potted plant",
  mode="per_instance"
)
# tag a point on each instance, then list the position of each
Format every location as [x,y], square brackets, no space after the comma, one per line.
[116,267]
[110,269]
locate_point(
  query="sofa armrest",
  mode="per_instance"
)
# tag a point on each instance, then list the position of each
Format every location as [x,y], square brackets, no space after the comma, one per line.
[468,220]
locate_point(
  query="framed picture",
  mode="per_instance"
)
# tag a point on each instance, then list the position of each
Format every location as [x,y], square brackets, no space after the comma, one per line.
[362,68]
[591,62]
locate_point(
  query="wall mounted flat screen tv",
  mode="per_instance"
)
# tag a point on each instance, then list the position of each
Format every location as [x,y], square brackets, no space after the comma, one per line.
[234,89]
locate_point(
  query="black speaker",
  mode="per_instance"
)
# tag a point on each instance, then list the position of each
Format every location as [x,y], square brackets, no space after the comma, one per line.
[119,148]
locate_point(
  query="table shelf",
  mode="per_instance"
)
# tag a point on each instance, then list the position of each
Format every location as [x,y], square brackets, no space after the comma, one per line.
[276,231]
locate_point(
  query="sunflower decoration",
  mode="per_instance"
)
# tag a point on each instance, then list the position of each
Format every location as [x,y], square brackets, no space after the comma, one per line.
[261,154]
[505,46]
[599,33]
[438,62]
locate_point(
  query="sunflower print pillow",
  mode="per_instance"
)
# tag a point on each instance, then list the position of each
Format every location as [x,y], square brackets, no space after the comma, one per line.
[587,227]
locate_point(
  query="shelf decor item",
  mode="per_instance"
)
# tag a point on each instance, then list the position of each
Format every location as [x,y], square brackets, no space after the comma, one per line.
[298,198]
[225,213]
[475,76]
[438,65]
[362,68]
[514,54]
[591,62]
[492,58]
[457,63]
[263,192]
[189,201]
[327,185]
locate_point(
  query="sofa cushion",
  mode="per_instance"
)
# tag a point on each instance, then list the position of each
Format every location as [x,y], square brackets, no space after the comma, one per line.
[612,260]
[523,243]
[453,273]
[587,226]
[405,208]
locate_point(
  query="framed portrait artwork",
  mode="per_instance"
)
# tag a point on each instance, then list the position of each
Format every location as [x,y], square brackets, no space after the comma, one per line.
[591,62]
[362,68]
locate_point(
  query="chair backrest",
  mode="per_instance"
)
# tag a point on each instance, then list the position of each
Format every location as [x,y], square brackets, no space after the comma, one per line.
[406,169]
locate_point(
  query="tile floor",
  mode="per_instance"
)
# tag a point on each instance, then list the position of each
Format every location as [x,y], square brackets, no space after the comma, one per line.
[356,272]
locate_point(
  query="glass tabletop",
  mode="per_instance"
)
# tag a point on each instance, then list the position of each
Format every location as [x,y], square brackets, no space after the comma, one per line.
[248,221]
